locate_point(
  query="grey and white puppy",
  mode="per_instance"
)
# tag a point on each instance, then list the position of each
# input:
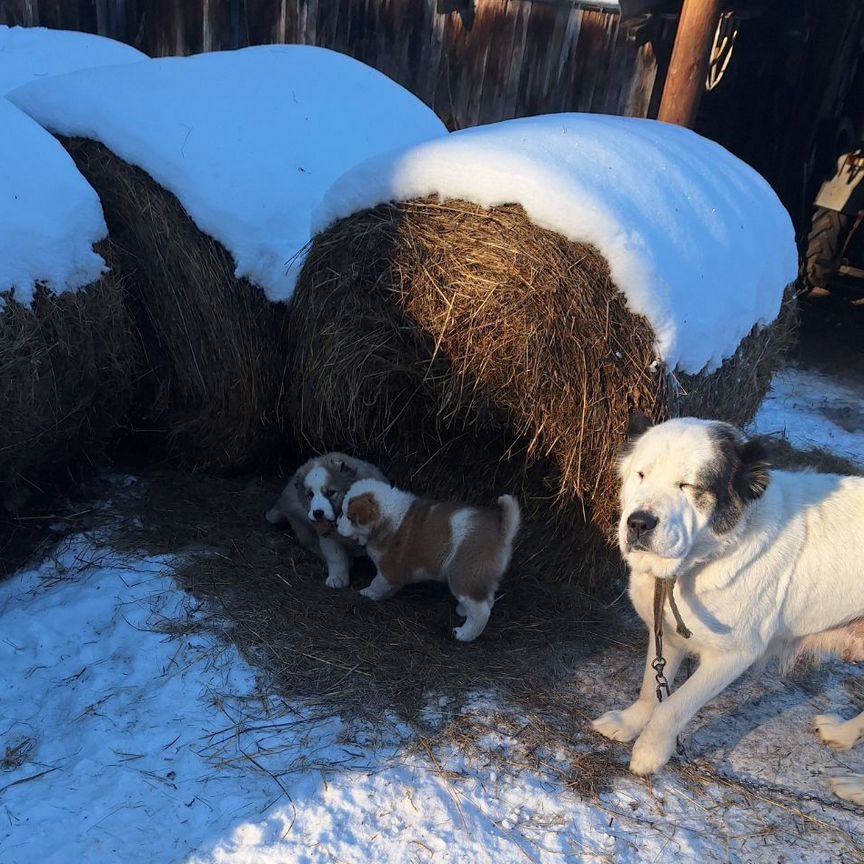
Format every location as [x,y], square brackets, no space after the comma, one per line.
[312,502]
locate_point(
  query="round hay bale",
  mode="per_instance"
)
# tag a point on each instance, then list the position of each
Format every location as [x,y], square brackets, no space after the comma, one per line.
[470,353]
[214,344]
[69,368]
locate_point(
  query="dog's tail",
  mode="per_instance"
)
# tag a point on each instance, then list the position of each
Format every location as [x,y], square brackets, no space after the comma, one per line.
[511,518]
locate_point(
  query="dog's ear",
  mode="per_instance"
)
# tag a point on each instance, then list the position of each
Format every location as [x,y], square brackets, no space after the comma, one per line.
[363,510]
[298,483]
[753,474]
[639,424]
[345,468]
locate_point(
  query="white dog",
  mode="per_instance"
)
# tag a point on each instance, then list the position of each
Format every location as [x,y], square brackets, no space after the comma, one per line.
[412,539]
[311,504]
[768,563]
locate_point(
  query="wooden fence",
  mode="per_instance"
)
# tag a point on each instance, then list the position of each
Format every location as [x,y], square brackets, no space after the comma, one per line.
[495,60]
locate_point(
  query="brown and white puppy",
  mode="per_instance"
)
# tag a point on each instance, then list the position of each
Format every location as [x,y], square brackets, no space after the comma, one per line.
[311,503]
[411,539]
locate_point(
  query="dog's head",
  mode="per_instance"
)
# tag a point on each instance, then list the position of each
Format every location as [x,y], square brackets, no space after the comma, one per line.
[685,486]
[319,487]
[324,488]
[362,510]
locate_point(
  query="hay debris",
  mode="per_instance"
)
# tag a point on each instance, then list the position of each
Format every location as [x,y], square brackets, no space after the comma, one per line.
[215,345]
[470,352]
[337,648]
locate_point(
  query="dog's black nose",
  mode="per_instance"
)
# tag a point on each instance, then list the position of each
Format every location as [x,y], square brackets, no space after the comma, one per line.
[318,514]
[640,523]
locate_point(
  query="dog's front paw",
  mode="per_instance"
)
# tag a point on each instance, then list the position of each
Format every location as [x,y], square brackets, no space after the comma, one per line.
[650,754]
[849,787]
[337,580]
[620,725]
[835,732]
[465,633]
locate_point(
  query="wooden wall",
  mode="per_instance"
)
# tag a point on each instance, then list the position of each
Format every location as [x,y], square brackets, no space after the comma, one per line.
[509,58]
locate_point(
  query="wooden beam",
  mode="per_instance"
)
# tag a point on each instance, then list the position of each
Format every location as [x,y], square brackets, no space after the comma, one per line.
[685,81]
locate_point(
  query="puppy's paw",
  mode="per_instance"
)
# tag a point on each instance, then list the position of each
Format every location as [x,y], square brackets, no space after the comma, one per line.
[337,580]
[465,633]
[835,732]
[620,725]
[650,754]
[849,787]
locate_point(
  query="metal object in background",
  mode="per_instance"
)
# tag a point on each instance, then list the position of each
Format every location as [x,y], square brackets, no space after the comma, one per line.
[721,51]
[834,257]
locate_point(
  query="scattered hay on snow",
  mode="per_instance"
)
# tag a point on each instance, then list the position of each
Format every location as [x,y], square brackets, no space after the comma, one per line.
[335,647]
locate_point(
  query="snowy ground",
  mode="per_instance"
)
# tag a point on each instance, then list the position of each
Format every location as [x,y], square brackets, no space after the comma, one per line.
[129,733]
[812,409]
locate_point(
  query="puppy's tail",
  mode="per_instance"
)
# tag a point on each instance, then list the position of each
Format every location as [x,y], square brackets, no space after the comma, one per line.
[511,518]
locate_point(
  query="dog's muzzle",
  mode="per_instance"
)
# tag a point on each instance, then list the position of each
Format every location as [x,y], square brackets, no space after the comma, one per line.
[640,524]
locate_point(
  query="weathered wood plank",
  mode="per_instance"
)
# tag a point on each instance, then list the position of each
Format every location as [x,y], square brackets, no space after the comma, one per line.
[518,58]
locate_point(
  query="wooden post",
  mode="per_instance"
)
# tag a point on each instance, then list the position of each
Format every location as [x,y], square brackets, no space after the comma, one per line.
[688,67]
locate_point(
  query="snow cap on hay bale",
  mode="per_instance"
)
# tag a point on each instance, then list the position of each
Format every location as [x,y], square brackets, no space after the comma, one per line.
[33,53]
[245,143]
[498,335]
[69,356]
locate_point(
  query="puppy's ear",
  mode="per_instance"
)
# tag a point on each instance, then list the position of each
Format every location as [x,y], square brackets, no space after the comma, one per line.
[363,510]
[639,424]
[298,483]
[753,475]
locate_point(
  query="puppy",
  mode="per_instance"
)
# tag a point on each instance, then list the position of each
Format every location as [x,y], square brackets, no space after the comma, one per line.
[768,563]
[311,503]
[413,540]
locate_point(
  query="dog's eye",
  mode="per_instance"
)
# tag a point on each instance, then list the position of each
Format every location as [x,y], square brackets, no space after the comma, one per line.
[308,493]
[329,492]
[641,475]
[690,486]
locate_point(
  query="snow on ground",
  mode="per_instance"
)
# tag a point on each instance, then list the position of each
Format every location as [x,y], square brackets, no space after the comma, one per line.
[127,734]
[31,53]
[248,140]
[696,239]
[814,410]
[50,217]
[131,730]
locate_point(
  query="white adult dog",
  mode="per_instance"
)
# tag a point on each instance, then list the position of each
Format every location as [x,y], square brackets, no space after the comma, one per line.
[769,563]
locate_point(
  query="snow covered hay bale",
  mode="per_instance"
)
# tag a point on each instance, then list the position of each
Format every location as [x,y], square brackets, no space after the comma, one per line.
[69,352]
[208,168]
[537,282]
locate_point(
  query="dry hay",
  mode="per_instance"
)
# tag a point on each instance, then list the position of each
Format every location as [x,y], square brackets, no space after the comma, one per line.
[333,646]
[69,369]
[214,344]
[470,352]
